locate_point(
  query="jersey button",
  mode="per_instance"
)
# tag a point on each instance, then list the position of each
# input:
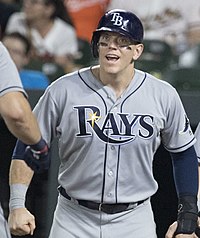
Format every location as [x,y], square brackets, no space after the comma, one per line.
[109,195]
[110,173]
[112,147]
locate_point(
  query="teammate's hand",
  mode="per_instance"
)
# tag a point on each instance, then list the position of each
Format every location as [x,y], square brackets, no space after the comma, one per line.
[172,229]
[21,222]
[38,161]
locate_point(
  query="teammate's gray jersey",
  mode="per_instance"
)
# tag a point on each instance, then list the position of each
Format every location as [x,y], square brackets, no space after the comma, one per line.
[106,145]
[9,82]
[9,78]
[197,145]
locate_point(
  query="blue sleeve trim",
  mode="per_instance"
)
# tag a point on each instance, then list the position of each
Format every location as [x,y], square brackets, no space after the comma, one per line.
[177,148]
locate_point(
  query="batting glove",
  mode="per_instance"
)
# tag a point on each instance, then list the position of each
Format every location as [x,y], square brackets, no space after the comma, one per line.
[38,161]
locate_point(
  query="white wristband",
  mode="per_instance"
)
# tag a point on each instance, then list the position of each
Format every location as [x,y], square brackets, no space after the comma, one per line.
[17,196]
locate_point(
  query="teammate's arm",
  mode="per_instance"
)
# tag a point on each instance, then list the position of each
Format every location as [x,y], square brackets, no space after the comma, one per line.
[19,118]
[17,114]
[24,158]
[21,221]
[36,156]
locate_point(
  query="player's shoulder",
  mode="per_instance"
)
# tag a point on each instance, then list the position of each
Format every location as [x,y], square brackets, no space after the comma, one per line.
[69,79]
[155,81]
[66,86]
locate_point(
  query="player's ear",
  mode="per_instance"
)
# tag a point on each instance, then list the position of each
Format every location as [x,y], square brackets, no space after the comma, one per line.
[138,51]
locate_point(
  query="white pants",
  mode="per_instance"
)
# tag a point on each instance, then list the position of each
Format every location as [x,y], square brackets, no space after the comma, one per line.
[4,230]
[75,221]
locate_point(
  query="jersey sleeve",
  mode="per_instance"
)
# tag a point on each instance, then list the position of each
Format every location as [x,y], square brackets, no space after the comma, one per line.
[177,135]
[47,115]
[9,79]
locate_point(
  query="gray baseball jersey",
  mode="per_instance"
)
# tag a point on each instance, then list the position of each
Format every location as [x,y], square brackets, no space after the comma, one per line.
[107,144]
[9,82]
[197,149]
[197,145]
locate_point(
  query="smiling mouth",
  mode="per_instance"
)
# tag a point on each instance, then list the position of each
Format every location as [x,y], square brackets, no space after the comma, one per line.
[112,58]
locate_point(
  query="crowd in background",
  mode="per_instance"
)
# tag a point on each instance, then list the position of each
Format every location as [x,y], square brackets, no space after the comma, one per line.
[59,31]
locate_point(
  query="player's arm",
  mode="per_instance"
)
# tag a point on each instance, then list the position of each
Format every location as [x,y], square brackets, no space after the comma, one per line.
[19,118]
[25,159]
[185,167]
[21,221]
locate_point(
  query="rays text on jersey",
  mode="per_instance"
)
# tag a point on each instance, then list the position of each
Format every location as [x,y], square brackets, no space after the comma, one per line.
[115,128]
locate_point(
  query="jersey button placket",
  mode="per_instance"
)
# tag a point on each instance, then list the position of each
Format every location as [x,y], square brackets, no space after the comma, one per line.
[110,183]
[111,163]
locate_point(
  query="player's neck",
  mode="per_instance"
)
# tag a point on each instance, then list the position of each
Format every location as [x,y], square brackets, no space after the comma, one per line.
[117,81]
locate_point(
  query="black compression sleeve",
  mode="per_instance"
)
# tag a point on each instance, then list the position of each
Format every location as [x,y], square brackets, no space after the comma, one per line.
[185,166]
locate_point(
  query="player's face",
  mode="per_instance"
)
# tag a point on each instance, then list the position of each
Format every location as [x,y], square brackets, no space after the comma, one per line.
[117,52]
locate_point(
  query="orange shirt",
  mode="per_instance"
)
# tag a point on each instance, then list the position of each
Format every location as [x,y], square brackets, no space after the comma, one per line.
[85,15]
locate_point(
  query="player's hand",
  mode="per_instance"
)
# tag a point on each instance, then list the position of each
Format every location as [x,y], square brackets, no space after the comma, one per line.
[198,227]
[21,222]
[38,161]
[172,229]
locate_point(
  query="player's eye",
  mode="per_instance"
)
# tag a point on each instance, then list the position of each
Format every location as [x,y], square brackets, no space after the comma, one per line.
[102,44]
[105,37]
[123,41]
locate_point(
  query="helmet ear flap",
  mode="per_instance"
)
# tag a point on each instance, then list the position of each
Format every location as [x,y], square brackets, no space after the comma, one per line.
[94,44]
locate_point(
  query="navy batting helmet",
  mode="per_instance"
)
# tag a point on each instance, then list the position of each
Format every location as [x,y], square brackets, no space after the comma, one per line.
[120,21]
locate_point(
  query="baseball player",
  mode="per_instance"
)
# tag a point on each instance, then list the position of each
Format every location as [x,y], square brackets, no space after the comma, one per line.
[197,148]
[197,145]
[16,112]
[110,119]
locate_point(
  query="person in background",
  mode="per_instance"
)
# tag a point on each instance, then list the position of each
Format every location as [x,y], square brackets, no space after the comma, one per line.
[110,120]
[19,48]
[17,114]
[7,8]
[85,15]
[52,37]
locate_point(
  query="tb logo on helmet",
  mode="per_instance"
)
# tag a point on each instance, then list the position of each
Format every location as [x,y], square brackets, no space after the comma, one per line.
[119,21]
